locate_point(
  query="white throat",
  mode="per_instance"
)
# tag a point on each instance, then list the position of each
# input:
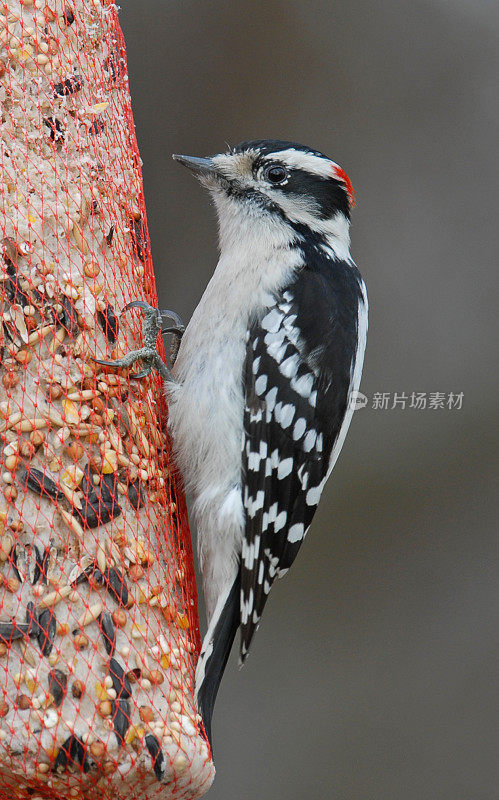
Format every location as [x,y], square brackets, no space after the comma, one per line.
[245,225]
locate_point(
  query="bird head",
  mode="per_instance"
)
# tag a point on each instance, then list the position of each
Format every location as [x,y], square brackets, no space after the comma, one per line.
[276,183]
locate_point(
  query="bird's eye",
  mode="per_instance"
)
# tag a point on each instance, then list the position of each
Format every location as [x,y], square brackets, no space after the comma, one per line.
[275,173]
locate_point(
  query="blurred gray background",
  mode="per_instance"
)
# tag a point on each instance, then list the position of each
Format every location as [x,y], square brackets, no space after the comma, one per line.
[374,673]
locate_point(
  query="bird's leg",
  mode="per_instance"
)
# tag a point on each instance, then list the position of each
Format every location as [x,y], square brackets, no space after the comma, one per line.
[148,355]
[177,332]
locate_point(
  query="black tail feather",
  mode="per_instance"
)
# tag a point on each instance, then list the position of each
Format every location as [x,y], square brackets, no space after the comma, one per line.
[223,638]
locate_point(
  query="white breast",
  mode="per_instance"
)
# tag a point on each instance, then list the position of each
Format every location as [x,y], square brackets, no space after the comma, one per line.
[206,401]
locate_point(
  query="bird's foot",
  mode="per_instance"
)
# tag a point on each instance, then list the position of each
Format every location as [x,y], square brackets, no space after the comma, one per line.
[148,355]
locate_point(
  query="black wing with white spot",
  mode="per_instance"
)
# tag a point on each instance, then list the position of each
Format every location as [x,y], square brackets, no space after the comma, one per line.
[297,377]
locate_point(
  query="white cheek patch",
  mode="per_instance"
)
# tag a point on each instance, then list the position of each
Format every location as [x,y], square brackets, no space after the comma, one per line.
[297,208]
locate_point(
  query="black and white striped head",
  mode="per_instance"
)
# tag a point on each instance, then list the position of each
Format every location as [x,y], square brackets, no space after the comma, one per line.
[276,181]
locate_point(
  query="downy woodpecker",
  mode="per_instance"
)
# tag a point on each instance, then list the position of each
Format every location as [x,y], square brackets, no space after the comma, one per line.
[259,396]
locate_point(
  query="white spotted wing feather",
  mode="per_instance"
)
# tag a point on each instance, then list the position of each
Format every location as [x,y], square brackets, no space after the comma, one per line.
[293,420]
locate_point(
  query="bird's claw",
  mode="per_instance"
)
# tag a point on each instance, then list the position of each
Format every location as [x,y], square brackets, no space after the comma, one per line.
[152,326]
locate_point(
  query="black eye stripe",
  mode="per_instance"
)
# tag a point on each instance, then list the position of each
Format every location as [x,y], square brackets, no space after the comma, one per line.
[328,193]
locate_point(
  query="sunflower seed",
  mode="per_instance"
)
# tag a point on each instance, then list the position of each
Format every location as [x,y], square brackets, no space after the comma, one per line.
[109,324]
[109,237]
[136,495]
[41,484]
[121,684]
[10,631]
[121,718]
[158,759]
[57,681]
[70,85]
[72,751]
[47,624]
[56,129]
[139,238]
[116,585]
[108,632]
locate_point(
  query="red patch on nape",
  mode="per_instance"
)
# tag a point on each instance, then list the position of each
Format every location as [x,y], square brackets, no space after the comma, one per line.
[342,176]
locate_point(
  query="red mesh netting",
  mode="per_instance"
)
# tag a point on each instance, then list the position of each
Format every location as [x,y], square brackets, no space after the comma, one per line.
[98,608]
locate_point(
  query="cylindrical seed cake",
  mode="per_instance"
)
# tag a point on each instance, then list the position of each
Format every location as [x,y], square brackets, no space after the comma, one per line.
[98,619]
